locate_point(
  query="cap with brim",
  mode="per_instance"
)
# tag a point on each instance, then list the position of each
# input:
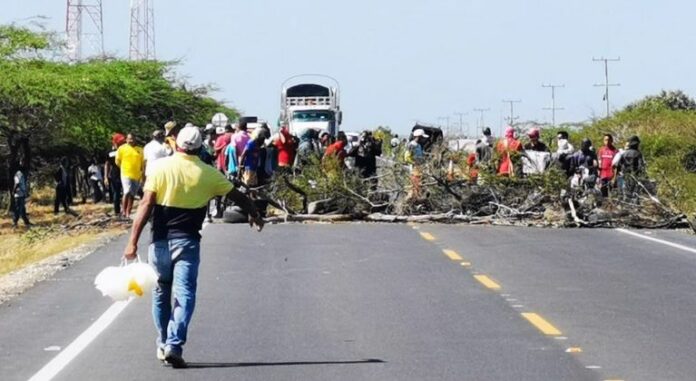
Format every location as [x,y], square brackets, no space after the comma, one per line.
[189,138]
[169,126]
[421,133]
[220,130]
[158,134]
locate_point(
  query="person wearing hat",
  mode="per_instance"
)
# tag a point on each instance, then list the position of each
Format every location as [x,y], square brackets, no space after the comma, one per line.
[170,132]
[154,150]
[112,173]
[415,156]
[176,196]
[535,144]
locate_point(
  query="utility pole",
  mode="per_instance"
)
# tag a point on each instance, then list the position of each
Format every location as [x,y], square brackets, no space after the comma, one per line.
[481,111]
[512,118]
[553,107]
[142,30]
[75,11]
[461,121]
[606,84]
[446,118]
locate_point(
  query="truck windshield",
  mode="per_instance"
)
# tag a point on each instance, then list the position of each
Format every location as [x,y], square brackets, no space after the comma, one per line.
[312,116]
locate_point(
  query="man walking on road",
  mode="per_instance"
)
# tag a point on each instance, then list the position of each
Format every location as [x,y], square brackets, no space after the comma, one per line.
[176,195]
[129,158]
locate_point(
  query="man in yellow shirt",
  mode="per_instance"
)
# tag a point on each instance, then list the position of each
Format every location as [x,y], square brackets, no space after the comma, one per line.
[130,159]
[176,195]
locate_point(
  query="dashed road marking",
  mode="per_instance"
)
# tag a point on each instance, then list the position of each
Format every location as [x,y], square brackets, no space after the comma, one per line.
[466,264]
[451,254]
[574,350]
[544,326]
[488,282]
[427,236]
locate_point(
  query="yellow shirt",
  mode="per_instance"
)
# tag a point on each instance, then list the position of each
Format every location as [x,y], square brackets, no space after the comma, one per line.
[130,160]
[183,185]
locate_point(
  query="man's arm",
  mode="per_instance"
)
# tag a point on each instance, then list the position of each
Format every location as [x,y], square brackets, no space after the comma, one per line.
[147,204]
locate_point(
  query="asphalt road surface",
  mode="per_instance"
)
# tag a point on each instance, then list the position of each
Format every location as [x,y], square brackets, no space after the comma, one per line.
[382,302]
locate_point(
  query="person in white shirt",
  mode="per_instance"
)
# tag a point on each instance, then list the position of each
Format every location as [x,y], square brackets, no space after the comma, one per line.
[154,150]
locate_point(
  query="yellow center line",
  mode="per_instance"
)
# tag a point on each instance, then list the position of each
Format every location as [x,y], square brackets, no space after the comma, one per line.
[452,255]
[574,350]
[427,236]
[488,282]
[544,326]
[466,264]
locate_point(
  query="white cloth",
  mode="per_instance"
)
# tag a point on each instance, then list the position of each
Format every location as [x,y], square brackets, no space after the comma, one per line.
[153,151]
[535,162]
[564,147]
[95,173]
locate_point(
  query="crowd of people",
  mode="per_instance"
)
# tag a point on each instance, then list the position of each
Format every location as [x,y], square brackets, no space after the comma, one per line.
[605,169]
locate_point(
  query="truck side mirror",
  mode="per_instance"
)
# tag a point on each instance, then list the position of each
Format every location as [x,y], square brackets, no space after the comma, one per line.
[340,117]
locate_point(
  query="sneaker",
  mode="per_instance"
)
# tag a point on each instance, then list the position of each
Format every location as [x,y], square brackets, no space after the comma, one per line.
[174,359]
[160,354]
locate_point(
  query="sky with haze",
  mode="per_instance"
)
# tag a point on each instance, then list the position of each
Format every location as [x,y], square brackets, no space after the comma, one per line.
[399,61]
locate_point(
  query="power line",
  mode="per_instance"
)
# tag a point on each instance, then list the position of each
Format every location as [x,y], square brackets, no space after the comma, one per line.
[461,121]
[512,117]
[481,111]
[553,107]
[606,84]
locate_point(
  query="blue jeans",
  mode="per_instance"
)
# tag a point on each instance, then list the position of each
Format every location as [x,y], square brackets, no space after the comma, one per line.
[20,211]
[176,263]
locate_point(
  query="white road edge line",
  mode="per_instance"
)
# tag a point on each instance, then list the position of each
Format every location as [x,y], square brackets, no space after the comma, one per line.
[68,354]
[675,245]
[59,362]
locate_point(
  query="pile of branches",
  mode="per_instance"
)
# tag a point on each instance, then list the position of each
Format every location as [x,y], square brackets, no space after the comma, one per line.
[326,193]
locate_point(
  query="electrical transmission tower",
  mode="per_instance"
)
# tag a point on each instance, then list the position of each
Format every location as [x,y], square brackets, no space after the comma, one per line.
[77,34]
[461,122]
[553,107]
[142,30]
[606,84]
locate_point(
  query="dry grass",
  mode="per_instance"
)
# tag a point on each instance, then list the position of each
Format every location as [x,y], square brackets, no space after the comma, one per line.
[21,247]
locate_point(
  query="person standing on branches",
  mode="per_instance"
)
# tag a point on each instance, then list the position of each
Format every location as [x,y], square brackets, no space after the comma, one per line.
[176,196]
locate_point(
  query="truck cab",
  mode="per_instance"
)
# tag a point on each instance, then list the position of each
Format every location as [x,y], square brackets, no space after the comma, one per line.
[311,105]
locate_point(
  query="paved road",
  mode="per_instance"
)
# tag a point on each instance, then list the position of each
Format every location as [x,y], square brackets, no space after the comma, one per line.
[383,302]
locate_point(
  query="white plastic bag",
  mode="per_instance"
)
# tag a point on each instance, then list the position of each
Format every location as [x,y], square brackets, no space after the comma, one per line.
[122,282]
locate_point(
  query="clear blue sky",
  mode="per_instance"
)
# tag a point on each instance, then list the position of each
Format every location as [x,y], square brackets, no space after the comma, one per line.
[398,61]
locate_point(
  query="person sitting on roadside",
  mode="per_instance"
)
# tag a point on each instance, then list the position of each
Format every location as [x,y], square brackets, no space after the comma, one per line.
[175,196]
[506,148]
[130,159]
[605,158]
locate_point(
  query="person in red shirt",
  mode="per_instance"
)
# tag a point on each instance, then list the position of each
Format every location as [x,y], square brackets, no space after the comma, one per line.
[337,149]
[220,144]
[605,156]
[505,147]
[286,148]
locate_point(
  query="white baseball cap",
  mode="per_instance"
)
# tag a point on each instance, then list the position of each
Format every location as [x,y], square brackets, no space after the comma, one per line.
[220,130]
[189,138]
[420,132]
